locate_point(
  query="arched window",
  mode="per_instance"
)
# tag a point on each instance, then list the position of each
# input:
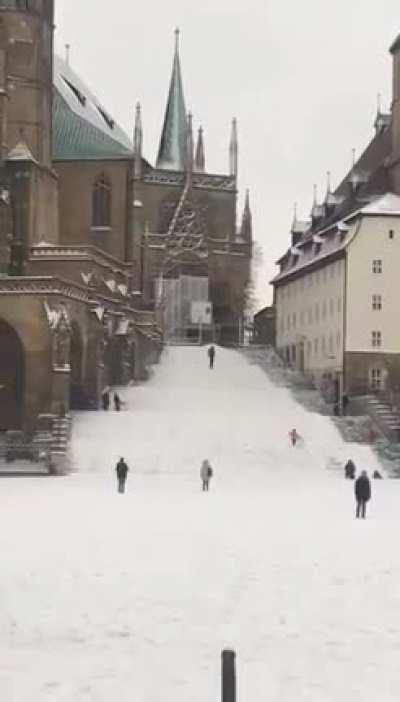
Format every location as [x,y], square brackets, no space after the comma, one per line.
[101,215]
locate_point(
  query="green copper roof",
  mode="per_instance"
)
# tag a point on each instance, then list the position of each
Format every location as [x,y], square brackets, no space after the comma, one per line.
[82,128]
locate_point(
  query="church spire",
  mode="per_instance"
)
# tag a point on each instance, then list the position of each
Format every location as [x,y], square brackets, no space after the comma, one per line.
[246,231]
[138,143]
[172,151]
[233,150]
[200,161]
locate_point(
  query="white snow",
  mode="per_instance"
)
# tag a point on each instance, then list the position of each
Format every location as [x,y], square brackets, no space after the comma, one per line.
[132,597]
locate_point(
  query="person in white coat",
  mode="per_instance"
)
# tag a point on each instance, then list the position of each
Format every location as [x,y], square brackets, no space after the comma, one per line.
[206,474]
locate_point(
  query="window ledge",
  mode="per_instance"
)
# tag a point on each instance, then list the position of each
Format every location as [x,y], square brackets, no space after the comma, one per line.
[100,229]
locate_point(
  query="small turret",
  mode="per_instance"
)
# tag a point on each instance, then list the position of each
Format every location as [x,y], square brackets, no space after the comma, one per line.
[138,143]
[246,231]
[200,161]
[233,150]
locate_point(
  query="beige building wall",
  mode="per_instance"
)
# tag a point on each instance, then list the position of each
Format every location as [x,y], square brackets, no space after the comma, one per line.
[310,313]
[377,239]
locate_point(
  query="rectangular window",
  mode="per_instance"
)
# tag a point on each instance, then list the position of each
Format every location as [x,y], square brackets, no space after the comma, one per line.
[315,347]
[376,339]
[376,302]
[376,379]
[377,266]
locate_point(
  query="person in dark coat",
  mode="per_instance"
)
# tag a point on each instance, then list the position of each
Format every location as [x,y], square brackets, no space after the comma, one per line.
[105,399]
[117,402]
[206,473]
[294,437]
[362,490]
[122,473]
[350,470]
[211,356]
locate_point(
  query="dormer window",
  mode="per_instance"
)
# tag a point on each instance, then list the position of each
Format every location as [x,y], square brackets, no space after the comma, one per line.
[108,120]
[79,96]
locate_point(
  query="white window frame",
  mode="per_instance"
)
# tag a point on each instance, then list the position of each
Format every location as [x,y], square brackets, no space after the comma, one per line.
[376,302]
[376,338]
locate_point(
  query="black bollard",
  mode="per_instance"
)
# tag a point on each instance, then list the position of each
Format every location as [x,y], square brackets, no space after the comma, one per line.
[228,676]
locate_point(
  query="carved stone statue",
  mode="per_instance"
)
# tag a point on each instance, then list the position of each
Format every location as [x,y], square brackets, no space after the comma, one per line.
[62,344]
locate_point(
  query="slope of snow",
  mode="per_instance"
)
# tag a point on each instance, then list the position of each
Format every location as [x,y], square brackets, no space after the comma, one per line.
[109,597]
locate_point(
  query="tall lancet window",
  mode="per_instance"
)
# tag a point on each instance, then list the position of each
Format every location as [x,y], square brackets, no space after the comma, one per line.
[101,211]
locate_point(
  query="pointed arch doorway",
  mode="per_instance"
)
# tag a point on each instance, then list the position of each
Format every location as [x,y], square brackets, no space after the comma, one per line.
[12,378]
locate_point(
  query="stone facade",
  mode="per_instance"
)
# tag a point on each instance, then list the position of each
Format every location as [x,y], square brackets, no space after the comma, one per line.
[72,321]
[337,290]
[171,220]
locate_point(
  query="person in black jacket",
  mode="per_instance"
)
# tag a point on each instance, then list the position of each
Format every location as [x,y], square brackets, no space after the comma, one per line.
[350,470]
[362,489]
[122,473]
[211,356]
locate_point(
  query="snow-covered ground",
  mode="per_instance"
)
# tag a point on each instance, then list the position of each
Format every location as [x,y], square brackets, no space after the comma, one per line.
[132,597]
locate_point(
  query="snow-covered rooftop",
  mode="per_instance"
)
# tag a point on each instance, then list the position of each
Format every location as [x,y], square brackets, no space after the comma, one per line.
[87,109]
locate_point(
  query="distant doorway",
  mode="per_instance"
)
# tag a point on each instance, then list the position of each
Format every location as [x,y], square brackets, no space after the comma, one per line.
[12,378]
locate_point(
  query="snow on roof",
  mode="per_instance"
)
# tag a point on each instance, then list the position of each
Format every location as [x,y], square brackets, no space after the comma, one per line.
[388,204]
[337,235]
[301,226]
[85,104]
[21,152]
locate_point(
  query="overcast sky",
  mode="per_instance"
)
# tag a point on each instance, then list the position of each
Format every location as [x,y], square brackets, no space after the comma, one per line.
[302,78]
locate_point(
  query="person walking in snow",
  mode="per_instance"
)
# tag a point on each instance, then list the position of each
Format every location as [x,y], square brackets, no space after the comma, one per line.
[105,399]
[122,474]
[206,473]
[211,356]
[294,437]
[350,470]
[362,490]
[117,402]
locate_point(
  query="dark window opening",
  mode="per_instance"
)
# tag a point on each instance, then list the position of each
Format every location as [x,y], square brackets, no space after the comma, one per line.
[101,216]
[391,234]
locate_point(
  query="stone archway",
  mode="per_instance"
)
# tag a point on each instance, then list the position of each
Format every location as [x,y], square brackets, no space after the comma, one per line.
[12,378]
[77,395]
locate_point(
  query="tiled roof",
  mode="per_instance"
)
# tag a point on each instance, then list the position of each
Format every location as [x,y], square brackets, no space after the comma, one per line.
[82,128]
[335,238]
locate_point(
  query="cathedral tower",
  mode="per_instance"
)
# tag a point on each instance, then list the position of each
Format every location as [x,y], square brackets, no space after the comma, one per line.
[26,83]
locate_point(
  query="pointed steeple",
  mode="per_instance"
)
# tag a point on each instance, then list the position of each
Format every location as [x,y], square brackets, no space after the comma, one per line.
[233,150]
[138,143]
[246,231]
[172,151]
[189,147]
[200,161]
